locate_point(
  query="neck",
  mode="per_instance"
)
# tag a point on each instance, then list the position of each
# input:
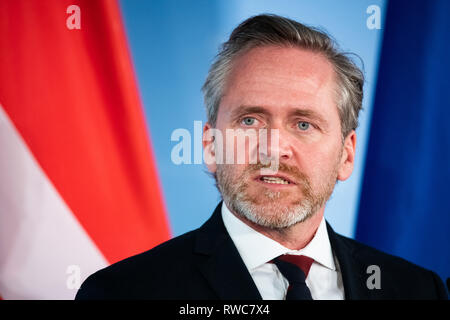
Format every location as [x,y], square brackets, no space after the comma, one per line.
[295,237]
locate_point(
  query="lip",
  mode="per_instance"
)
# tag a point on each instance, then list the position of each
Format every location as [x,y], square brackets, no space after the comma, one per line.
[291,183]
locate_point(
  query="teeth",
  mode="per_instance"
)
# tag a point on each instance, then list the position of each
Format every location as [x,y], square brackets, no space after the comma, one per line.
[275,180]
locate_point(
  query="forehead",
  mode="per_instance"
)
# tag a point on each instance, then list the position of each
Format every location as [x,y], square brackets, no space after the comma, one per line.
[280,78]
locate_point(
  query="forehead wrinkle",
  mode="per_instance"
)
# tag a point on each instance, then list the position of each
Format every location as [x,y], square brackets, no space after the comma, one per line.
[277,79]
[266,60]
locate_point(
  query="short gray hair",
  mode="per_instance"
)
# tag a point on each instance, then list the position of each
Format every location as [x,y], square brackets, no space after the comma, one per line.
[266,30]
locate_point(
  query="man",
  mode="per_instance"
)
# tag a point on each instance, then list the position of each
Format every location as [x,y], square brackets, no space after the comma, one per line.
[268,239]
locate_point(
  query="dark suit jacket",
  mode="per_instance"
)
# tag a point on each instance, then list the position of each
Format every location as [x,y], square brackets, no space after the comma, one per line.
[205,264]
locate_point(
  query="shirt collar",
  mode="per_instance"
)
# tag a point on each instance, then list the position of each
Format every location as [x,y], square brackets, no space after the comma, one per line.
[257,249]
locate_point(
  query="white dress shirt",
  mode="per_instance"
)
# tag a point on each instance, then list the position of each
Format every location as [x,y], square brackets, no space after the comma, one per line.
[324,279]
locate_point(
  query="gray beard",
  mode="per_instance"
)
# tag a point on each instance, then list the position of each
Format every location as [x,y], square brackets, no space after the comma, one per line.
[271,214]
[284,219]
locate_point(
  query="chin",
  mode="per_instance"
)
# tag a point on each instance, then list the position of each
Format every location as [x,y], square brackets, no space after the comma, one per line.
[274,214]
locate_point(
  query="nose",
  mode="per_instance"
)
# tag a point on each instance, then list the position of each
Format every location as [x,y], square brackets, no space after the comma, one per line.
[279,146]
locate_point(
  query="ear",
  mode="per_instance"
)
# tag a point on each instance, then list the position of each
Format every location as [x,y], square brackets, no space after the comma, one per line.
[348,157]
[209,148]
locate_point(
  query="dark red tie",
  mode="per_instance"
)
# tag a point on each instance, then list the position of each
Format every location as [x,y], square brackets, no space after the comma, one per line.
[295,269]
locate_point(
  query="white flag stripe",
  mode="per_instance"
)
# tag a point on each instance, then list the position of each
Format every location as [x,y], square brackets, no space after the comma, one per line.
[40,239]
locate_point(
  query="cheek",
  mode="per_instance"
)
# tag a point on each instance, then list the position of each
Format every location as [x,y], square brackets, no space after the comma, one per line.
[232,172]
[318,162]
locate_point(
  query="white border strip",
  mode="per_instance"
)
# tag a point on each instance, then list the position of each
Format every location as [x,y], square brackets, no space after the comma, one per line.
[44,251]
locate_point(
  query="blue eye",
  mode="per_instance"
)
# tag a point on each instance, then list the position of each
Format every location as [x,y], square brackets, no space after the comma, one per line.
[248,121]
[302,125]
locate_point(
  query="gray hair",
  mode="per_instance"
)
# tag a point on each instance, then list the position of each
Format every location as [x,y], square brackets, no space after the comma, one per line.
[265,30]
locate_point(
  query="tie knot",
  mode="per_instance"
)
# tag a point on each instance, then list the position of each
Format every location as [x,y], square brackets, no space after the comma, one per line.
[302,262]
[295,269]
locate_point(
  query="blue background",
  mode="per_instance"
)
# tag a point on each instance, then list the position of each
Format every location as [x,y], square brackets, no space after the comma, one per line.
[404,209]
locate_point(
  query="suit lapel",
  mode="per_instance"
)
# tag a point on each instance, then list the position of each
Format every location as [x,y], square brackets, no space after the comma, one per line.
[223,268]
[222,265]
[353,272]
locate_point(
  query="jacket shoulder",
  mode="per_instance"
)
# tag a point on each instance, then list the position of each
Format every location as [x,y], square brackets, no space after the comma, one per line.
[367,254]
[399,277]
[144,272]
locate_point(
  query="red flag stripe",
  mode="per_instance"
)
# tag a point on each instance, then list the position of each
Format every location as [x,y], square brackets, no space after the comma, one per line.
[72,96]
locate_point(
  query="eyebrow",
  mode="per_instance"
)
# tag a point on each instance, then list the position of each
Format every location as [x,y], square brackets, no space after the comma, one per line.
[307,113]
[242,110]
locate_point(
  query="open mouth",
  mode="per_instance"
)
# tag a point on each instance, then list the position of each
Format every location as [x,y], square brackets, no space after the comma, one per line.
[275,180]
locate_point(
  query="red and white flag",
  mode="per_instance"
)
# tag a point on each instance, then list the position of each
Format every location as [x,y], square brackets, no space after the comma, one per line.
[78,183]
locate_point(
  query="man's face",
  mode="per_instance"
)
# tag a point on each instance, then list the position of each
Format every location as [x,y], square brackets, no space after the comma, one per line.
[293,91]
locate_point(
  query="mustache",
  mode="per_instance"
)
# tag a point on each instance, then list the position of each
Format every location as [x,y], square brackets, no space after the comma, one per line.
[292,171]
